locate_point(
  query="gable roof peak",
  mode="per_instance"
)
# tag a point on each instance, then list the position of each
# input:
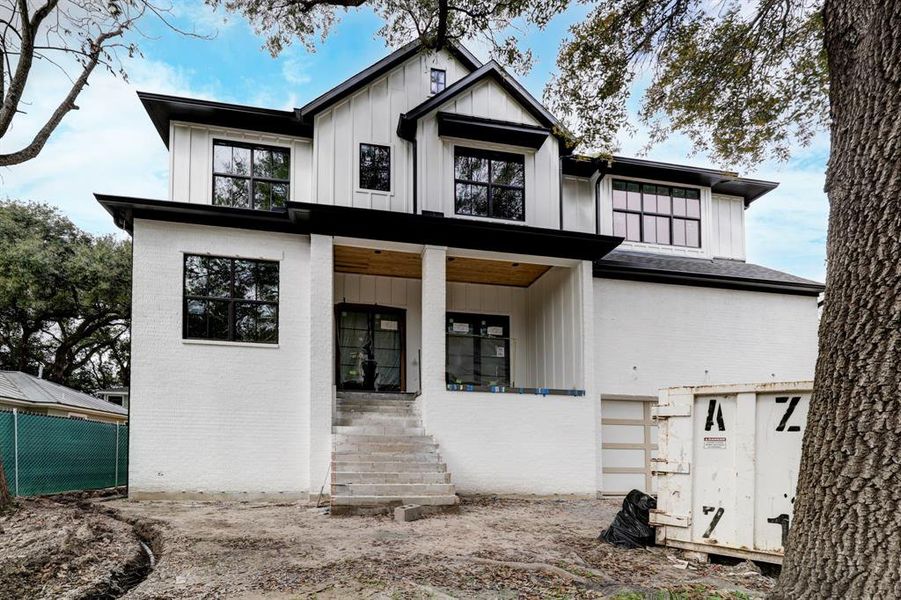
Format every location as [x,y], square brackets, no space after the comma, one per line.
[376,70]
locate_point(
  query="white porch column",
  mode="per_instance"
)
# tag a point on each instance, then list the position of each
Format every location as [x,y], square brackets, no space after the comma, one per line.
[321,357]
[589,370]
[434,311]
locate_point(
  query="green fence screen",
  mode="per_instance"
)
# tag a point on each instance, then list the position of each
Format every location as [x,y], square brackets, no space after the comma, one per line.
[48,455]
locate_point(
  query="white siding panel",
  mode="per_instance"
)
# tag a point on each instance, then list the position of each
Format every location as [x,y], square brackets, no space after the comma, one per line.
[555,339]
[191,149]
[578,204]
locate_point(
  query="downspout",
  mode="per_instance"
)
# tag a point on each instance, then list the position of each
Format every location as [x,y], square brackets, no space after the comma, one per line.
[415,207]
[597,204]
[560,191]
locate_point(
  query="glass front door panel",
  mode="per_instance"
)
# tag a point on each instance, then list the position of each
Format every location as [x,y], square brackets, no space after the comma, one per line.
[370,349]
[478,349]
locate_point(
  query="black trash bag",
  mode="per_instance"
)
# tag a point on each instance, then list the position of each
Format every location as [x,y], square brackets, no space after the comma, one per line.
[630,528]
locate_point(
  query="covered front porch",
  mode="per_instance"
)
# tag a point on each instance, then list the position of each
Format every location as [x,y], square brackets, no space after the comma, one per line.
[435,319]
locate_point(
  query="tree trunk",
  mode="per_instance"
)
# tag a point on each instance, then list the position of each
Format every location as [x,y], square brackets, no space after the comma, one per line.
[6,499]
[845,541]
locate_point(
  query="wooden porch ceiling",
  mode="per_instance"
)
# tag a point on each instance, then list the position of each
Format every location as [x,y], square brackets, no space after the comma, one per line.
[391,263]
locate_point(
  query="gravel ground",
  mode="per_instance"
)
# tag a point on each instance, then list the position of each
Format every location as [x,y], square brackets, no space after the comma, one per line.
[63,550]
[495,548]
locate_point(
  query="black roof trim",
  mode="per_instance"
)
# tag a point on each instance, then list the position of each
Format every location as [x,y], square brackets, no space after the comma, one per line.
[720,182]
[378,69]
[491,130]
[406,125]
[163,109]
[306,218]
[699,272]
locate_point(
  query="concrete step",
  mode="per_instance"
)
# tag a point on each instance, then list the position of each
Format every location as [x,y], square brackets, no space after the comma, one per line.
[357,438]
[378,448]
[387,466]
[447,500]
[374,397]
[376,420]
[386,429]
[387,456]
[383,477]
[393,489]
[375,408]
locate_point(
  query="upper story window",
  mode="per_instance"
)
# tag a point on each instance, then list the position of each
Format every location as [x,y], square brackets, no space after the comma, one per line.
[250,175]
[230,299]
[438,80]
[657,214]
[375,167]
[489,184]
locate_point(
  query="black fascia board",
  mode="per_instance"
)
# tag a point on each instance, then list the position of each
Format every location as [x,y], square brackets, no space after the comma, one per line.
[406,124]
[163,109]
[345,221]
[720,182]
[375,71]
[491,130]
[472,234]
[125,210]
[605,271]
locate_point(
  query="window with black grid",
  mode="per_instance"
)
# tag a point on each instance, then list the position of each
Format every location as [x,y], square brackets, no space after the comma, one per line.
[657,214]
[250,175]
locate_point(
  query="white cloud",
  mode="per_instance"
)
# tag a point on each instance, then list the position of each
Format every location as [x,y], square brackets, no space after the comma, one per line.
[109,145]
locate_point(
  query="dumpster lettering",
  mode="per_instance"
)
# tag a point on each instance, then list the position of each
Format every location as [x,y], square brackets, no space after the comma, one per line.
[712,408]
[713,522]
[788,412]
[783,521]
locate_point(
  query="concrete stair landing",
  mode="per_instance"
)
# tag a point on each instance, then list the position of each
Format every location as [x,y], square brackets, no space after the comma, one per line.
[382,457]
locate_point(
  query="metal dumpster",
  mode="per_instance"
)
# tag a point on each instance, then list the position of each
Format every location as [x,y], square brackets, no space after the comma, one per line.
[727,467]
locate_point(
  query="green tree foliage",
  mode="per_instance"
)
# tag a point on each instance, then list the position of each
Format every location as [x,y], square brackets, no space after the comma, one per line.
[65,298]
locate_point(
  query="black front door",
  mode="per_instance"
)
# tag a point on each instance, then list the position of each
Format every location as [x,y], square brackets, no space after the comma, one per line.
[370,348]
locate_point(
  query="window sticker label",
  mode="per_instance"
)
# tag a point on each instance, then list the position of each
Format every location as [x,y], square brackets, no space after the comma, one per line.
[499,351]
[718,442]
[461,328]
[388,325]
[496,331]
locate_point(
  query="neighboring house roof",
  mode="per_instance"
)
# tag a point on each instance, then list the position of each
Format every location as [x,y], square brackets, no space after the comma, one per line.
[22,387]
[378,69]
[406,125]
[716,272]
[720,182]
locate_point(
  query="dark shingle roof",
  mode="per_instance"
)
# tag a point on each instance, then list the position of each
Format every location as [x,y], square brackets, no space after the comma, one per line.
[23,387]
[716,272]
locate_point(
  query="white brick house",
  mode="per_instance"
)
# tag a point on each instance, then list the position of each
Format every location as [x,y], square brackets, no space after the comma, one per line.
[417,258]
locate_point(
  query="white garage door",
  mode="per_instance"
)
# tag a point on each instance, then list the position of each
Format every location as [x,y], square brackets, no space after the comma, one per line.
[628,442]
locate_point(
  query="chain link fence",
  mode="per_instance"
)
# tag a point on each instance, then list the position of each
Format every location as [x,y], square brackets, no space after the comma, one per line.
[48,455]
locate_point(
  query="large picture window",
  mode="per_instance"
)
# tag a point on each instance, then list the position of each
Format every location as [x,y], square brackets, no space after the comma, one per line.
[489,184]
[478,349]
[657,214]
[250,175]
[375,167]
[230,299]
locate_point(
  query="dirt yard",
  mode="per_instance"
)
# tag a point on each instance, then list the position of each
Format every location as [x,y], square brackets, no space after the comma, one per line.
[78,548]
[495,548]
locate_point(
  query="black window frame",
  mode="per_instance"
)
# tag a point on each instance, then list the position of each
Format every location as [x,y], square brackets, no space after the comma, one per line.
[252,178]
[386,168]
[491,156]
[433,82]
[477,339]
[232,299]
[671,216]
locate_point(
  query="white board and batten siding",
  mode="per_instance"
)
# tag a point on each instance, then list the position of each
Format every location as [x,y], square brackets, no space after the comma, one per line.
[191,160]
[435,170]
[579,204]
[722,222]
[727,467]
[370,116]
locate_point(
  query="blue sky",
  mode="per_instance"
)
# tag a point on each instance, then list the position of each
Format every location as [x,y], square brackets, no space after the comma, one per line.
[109,145]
